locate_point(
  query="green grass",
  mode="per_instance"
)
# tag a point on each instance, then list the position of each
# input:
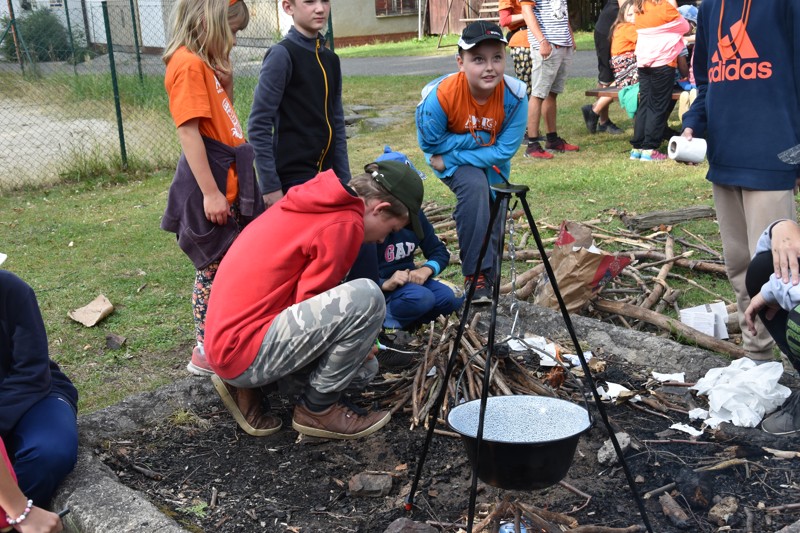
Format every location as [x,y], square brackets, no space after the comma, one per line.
[430,46]
[101,235]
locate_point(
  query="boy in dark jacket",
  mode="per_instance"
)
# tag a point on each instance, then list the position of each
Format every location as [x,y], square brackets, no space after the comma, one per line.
[38,403]
[746,58]
[296,124]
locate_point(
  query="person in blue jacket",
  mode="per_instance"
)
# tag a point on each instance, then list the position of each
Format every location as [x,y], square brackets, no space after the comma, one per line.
[413,295]
[38,403]
[747,70]
[468,123]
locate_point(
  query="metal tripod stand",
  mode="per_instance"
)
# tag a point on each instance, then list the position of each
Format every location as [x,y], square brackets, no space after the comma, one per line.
[502,194]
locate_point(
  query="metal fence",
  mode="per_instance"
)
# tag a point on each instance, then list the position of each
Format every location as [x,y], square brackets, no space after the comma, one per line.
[82,85]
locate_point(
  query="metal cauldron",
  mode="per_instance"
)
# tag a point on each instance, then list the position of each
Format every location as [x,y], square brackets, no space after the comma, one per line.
[528,441]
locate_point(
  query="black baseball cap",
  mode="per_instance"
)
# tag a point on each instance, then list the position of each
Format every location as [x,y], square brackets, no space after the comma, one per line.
[405,185]
[480,31]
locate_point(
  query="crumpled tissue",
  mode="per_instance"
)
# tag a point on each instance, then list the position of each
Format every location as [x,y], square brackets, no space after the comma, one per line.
[743,392]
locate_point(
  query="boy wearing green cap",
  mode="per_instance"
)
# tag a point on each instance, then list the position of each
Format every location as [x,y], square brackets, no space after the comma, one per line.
[278,306]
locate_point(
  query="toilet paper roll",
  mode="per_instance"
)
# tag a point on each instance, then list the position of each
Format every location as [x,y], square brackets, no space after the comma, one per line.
[682,149]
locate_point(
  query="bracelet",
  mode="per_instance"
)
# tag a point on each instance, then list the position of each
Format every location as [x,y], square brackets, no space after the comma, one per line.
[22,517]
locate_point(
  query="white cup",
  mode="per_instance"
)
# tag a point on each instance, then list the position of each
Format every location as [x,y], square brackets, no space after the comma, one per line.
[682,149]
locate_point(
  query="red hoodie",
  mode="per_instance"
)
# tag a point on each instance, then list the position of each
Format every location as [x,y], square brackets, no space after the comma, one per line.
[302,246]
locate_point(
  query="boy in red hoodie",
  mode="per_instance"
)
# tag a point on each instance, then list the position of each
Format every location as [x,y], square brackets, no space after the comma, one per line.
[278,306]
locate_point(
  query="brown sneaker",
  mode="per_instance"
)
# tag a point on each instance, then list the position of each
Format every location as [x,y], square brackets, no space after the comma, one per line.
[245,406]
[337,422]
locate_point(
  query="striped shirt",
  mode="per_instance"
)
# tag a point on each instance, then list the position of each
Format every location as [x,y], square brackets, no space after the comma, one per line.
[553,19]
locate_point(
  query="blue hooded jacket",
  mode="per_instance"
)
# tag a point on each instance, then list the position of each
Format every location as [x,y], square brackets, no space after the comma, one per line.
[459,149]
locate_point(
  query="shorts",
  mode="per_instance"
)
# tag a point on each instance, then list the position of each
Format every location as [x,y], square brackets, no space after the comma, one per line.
[548,75]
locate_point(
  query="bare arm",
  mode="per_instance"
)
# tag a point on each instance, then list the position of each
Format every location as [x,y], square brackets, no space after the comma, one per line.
[13,503]
[215,205]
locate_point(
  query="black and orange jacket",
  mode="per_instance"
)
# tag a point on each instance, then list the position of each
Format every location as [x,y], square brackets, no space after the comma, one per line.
[296,125]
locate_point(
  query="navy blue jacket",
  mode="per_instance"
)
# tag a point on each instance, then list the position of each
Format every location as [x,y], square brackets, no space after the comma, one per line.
[396,252]
[748,96]
[27,374]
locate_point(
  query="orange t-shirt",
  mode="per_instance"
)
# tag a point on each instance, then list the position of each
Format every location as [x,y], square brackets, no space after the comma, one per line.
[464,114]
[195,92]
[624,39]
[520,38]
[655,14]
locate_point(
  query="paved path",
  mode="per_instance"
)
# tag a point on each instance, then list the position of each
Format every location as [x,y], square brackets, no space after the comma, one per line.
[584,65]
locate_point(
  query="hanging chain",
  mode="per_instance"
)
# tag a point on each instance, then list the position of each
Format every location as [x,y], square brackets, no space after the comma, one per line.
[512,255]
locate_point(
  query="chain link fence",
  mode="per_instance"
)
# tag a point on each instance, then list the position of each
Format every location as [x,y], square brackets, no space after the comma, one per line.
[82,85]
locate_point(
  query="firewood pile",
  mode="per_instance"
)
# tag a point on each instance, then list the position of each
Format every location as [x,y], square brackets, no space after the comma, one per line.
[646,292]
[415,390]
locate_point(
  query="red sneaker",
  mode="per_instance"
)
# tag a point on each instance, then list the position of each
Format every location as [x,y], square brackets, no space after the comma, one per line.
[534,149]
[560,145]
[198,365]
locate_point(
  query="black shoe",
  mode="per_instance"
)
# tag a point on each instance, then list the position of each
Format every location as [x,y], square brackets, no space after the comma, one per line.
[483,288]
[393,351]
[590,118]
[610,128]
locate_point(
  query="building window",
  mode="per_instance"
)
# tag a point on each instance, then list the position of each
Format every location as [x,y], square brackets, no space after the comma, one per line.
[385,8]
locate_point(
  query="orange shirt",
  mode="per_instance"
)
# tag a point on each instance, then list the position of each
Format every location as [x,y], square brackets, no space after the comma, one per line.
[464,114]
[195,92]
[655,14]
[624,39]
[520,38]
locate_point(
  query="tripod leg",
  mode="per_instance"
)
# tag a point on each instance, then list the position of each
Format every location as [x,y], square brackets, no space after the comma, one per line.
[498,261]
[437,406]
[568,322]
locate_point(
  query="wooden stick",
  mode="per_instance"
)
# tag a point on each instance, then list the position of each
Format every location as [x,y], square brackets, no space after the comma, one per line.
[660,281]
[700,266]
[671,325]
[659,490]
[556,518]
[604,529]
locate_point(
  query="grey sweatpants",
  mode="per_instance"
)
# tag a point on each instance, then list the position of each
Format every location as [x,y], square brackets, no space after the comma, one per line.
[335,329]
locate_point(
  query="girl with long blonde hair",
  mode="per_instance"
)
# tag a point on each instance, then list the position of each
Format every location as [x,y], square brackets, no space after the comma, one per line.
[213,194]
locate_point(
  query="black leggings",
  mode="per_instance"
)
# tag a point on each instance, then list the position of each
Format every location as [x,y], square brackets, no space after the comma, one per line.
[758,274]
[655,104]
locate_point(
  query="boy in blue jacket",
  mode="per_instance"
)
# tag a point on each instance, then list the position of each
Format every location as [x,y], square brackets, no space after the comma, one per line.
[468,122]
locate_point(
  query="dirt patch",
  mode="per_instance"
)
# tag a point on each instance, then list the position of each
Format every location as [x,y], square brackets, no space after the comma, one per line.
[203,471]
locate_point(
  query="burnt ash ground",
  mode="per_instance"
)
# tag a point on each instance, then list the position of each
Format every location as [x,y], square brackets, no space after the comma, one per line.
[282,483]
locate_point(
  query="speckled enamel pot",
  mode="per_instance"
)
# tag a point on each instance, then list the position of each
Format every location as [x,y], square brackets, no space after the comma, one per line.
[528,441]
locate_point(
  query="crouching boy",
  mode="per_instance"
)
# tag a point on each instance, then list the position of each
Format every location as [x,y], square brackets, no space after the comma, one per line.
[277,306]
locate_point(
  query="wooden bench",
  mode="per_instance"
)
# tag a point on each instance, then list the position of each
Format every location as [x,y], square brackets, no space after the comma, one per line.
[613,92]
[488,11]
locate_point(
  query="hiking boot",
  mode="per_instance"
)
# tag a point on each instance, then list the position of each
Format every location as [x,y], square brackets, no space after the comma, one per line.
[786,420]
[560,145]
[198,365]
[534,149]
[653,155]
[483,288]
[636,154]
[610,128]
[337,422]
[245,406]
[590,118]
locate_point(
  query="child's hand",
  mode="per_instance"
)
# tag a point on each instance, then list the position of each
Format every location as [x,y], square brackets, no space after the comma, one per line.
[420,275]
[271,197]
[398,279]
[757,303]
[216,208]
[785,250]
[437,162]
[40,520]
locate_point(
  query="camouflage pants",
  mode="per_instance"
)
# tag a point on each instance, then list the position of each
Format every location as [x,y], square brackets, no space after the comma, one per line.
[335,330]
